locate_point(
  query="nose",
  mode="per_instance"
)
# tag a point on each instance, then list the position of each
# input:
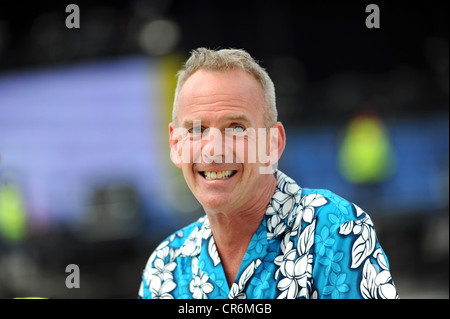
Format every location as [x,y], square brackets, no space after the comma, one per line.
[213,147]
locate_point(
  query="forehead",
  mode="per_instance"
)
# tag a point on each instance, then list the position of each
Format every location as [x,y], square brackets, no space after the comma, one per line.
[216,91]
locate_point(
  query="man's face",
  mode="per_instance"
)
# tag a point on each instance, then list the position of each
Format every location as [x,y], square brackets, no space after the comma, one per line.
[231,101]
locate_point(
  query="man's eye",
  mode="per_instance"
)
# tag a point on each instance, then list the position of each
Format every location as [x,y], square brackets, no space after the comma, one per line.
[238,128]
[196,130]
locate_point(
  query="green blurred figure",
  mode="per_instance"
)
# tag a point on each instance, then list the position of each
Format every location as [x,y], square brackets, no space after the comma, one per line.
[366,155]
[12,213]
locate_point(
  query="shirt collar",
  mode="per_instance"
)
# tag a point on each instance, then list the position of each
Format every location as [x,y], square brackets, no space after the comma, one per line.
[282,209]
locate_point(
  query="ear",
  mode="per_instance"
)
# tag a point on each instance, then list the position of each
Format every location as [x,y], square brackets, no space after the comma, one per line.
[277,142]
[174,139]
[275,147]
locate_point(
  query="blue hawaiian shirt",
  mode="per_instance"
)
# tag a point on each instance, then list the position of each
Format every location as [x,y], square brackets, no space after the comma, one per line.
[311,244]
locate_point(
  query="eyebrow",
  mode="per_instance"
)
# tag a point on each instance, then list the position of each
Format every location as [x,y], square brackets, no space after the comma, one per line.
[238,118]
[189,123]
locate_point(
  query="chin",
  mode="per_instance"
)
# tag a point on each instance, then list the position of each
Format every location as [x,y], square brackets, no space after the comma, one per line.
[215,202]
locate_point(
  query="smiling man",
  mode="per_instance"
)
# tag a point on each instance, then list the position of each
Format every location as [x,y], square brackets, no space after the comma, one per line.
[262,236]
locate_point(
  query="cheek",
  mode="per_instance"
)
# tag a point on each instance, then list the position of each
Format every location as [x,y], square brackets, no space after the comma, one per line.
[255,149]
[189,151]
[195,151]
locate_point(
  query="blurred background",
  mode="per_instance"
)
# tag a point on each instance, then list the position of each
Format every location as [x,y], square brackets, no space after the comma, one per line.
[85,173]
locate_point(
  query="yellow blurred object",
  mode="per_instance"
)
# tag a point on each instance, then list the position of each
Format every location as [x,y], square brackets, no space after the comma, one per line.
[169,66]
[12,213]
[366,155]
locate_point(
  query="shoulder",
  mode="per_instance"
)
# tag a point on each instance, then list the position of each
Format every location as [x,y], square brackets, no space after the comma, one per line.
[329,207]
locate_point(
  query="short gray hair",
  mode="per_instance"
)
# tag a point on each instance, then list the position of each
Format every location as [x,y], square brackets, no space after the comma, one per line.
[224,60]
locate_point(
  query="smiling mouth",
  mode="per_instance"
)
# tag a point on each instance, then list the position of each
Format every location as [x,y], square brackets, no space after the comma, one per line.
[217,175]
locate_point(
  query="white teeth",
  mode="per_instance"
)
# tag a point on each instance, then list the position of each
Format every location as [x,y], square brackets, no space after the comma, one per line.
[218,175]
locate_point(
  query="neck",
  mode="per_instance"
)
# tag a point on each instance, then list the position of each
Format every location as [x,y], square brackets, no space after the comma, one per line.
[239,223]
[234,229]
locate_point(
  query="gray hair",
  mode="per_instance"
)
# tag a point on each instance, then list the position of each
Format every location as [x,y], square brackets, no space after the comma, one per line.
[224,60]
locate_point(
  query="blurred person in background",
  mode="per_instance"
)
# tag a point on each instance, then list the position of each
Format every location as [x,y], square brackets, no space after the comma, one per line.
[262,236]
